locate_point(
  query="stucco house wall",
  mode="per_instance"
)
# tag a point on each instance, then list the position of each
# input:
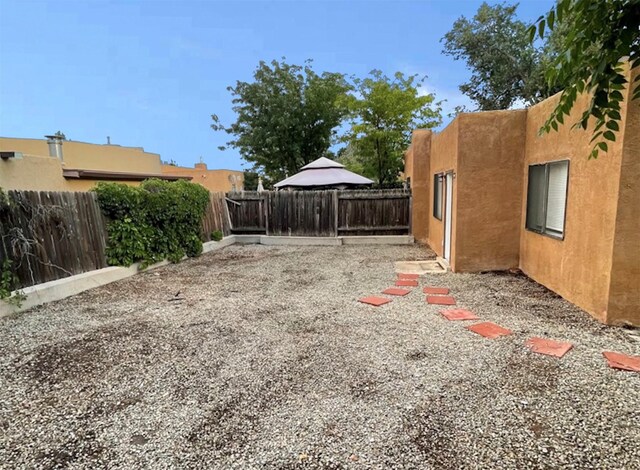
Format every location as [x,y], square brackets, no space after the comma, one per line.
[597,263]
[213,180]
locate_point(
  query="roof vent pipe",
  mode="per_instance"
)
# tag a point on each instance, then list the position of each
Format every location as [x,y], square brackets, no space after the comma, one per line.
[55,146]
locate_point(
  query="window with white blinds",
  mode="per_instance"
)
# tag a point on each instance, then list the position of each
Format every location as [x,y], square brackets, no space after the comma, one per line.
[547,198]
[437,195]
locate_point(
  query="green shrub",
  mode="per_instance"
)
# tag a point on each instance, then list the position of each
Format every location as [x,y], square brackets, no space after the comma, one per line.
[216,235]
[157,220]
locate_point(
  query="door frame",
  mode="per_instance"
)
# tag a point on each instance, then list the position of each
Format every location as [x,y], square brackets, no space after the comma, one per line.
[448,216]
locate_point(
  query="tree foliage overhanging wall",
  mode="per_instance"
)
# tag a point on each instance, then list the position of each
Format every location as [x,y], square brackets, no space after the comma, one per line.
[153,221]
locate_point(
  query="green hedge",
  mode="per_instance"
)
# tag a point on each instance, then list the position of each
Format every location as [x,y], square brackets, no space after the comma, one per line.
[153,221]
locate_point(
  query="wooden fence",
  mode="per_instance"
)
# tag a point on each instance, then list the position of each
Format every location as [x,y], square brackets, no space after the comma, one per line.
[51,235]
[321,213]
[216,217]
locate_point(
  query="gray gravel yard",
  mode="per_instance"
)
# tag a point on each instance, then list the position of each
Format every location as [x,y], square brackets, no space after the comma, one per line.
[269,361]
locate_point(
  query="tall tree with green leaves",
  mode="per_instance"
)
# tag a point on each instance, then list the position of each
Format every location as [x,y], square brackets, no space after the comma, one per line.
[287,117]
[599,37]
[384,111]
[506,68]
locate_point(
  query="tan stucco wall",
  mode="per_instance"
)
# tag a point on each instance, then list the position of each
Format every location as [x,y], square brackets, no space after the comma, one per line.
[597,264]
[624,288]
[489,190]
[578,267]
[213,180]
[90,156]
[19,174]
[419,155]
[444,158]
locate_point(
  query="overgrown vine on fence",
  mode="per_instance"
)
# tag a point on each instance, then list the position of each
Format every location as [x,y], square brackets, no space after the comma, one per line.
[153,221]
[8,279]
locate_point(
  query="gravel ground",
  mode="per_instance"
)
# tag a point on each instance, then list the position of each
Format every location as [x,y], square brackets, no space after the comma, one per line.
[269,361]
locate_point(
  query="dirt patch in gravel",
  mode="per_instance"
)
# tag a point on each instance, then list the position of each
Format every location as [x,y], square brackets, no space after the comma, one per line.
[261,357]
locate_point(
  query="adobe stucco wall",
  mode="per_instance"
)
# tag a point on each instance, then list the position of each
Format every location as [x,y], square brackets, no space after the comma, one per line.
[418,171]
[90,156]
[19,174]
[444,158]
[489,190]
[597,264]
[213,180]
[580,266]
[624,288]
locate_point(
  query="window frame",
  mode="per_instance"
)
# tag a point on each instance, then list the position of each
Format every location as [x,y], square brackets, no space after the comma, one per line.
[438,183]
[545,200]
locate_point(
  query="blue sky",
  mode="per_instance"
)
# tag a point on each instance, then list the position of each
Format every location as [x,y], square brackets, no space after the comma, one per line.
[150,73]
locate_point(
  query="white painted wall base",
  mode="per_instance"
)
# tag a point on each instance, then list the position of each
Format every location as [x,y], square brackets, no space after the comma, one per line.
[62,288]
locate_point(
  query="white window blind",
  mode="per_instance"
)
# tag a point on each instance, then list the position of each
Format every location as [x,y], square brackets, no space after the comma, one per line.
[557,196]
[547,198]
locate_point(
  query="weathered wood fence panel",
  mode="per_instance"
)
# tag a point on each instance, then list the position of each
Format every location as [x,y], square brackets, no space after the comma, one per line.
[51,235]
[321,213]
[374,212]
[301,213]
[247,212]
[216,217]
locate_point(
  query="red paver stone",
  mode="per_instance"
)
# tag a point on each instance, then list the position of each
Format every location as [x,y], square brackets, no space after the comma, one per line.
[375,301]
[458,314]
[441,300]
[622,361]
[407,282]
[408,276]
[489,330]
[396,291]
[436,290]
[548,347]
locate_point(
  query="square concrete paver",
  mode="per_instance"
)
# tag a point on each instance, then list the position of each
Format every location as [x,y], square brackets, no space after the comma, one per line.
[441,300]
[622,361]
[408,276]
[458,314]
[436,290]
[489,330]
[396,291]
[407,282]
[431,266]
[375,301]
[548,347]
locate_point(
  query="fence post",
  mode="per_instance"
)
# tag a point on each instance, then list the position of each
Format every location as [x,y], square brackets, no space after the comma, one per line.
[267,209]
[335,212]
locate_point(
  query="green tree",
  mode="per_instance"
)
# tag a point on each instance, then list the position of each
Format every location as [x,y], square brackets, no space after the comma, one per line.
[251,181]
[384,111]
[287,117]
[599,37]
[505,66]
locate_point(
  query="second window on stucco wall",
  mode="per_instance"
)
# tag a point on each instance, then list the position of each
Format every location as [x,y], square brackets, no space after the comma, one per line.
[437,196]
[547,198]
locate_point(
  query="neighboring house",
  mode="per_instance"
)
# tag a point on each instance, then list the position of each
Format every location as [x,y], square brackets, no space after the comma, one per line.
[489,193]
[213,180]
[55,164]
[324,174]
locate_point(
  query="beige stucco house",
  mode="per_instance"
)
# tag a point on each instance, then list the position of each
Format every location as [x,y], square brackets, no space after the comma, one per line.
[490,193]
[55,164]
